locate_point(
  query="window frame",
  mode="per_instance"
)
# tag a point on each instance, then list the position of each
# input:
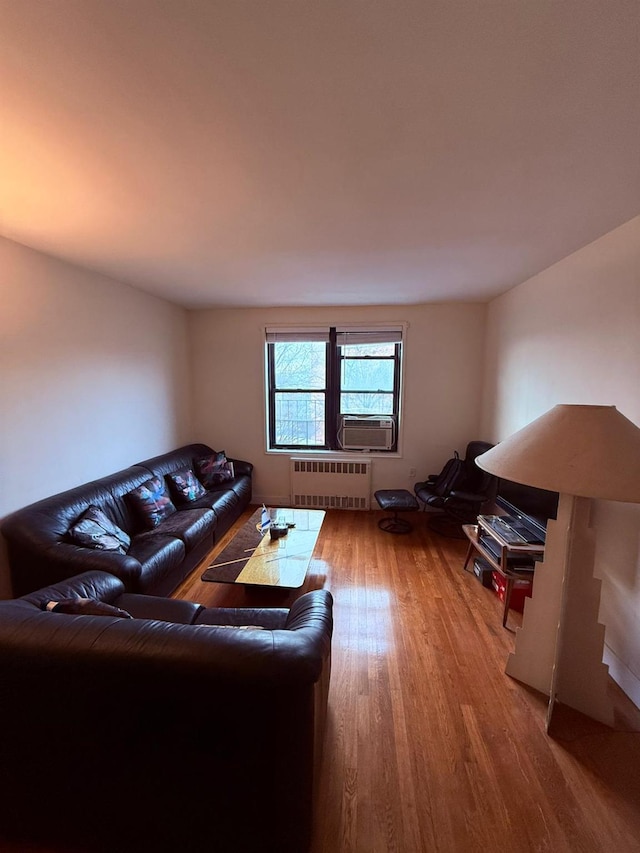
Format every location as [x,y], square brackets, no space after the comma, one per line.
[395,392]
[273,390]
[334,358]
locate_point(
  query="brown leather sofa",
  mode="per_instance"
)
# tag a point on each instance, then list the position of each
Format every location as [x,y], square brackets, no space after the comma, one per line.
[161,732]
[41,552]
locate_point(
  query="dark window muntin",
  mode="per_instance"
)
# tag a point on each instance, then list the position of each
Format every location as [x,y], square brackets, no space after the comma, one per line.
[332,392]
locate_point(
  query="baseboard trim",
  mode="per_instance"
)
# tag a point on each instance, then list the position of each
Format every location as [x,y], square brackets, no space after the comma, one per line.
[628,682]
[271,500]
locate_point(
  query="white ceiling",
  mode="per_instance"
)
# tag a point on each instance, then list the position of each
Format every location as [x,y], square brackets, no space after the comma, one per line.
[310,152]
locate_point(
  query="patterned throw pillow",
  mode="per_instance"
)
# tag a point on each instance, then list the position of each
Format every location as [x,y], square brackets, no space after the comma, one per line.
[186,486]
[151,500]
[94,530]
[86,607]
[215,469]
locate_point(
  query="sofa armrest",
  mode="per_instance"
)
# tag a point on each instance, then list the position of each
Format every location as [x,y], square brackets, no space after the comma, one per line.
[313,609]
[99,585]
[32,569]
[242,467]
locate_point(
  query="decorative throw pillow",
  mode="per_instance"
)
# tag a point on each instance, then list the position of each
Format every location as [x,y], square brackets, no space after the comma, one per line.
[186,486]
[86,607]
[151,500]
[94,530]
[215,469]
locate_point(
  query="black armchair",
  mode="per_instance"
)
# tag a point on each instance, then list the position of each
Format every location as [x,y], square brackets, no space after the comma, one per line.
[459,490]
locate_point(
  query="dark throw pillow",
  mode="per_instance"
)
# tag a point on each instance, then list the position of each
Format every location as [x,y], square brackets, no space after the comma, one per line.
[85,607]
[186,486]
[152,502]
[215,469]
[94,530]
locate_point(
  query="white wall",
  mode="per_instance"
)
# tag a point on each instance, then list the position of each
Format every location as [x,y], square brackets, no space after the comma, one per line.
[572,335]
[443,355]
[94,377]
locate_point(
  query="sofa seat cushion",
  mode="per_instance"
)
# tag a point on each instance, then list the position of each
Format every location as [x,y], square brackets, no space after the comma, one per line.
[268,618]
[159,556]
[160,609]
[190,525]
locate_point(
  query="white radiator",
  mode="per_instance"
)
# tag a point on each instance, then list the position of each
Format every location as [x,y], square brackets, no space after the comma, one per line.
[330,483]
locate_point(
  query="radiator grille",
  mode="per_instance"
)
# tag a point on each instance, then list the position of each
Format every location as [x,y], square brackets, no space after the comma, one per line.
[330,483]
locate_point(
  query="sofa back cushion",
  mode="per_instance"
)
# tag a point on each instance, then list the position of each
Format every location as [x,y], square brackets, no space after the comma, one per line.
[118,508]
[176,460]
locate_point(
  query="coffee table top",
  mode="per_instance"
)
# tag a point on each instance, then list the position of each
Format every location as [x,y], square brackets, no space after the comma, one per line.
[253,558]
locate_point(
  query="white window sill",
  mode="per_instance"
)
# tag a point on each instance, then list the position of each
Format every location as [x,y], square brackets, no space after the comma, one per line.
[338,454]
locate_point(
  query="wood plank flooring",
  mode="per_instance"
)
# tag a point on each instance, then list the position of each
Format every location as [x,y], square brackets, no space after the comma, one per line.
[429,745]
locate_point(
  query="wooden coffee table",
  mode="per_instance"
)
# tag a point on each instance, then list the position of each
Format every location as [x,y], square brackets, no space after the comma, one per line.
[254,559]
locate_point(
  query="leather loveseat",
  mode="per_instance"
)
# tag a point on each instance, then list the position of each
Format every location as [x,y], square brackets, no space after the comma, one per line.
[41,551]
[161,732]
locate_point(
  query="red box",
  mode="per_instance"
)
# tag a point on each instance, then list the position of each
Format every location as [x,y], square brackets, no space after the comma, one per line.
[522,588]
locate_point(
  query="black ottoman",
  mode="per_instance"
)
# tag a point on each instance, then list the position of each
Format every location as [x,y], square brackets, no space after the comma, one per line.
[395,500]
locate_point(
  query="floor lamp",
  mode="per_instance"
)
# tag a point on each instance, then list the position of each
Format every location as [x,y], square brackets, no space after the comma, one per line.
[582,452]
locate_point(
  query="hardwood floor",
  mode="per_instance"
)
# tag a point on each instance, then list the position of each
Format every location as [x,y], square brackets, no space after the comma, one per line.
[430,746]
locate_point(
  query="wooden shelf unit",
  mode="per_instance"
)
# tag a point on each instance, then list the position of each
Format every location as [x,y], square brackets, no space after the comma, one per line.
[473,533]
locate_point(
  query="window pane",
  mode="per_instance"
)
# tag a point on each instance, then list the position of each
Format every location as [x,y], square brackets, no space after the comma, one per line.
[369,349]
[366,404]
[300,365]
[369,375]
[300,419]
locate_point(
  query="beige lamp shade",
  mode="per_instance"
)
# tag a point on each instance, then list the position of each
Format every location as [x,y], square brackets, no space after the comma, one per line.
[587,451]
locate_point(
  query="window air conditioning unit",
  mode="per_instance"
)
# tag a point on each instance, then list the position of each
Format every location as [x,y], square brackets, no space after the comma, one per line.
[362,433]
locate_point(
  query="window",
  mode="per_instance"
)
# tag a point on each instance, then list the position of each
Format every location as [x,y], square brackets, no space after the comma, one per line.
[315,376]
